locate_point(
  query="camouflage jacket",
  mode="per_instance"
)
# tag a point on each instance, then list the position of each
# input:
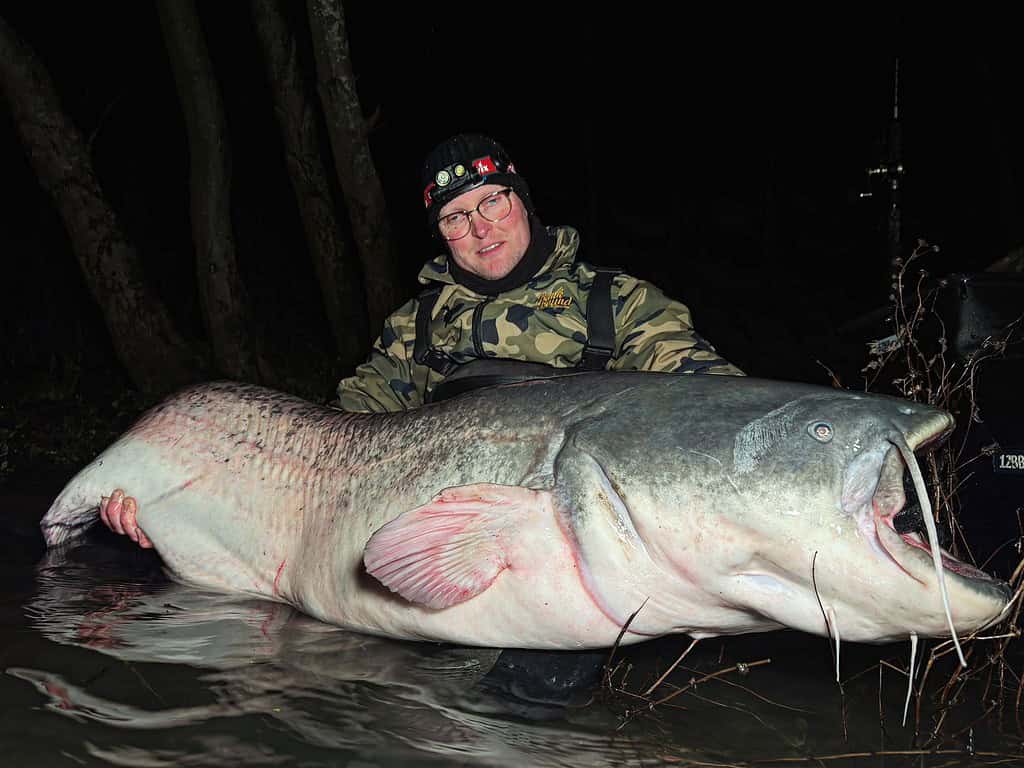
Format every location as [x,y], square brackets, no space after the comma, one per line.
[543,321]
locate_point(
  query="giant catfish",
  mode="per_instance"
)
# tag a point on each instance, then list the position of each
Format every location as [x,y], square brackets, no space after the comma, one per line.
[544,514]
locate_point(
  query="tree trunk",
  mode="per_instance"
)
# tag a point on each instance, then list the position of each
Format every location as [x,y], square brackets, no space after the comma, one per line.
[145,341]
[236,349]
[353,163]
[336,268]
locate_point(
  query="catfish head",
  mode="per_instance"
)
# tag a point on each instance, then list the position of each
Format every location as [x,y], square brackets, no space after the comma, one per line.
[734,505]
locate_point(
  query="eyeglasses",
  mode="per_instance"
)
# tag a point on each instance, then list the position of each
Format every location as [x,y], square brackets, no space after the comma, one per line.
[494,207]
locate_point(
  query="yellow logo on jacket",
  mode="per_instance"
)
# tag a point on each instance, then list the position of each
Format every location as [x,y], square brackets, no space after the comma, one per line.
[556,300]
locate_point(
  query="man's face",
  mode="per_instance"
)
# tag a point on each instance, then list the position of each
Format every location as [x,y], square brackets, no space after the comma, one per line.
[492,249]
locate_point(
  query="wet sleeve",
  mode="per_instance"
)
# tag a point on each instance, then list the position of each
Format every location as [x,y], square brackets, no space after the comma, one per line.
[390,380]
[655,333]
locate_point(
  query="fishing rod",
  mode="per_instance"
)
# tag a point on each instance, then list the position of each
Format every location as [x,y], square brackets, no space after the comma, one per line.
[891,173]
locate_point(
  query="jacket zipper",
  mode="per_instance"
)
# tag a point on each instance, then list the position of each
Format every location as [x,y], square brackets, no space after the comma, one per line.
[478,312]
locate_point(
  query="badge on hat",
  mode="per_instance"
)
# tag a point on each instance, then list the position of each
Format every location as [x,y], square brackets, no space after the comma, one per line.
[484,165]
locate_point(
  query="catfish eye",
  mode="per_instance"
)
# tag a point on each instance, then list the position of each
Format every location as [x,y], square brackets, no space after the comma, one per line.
[821,431]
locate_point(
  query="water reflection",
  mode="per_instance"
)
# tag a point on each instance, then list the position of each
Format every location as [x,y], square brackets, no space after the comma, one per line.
[212,666]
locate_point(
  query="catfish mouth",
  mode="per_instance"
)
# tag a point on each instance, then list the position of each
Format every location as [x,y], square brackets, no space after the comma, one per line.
[896,507]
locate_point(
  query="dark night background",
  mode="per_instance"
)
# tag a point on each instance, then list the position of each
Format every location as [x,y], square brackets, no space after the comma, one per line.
[721,158]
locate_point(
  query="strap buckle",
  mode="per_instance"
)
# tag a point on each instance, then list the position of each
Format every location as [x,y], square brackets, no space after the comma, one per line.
[438,361]
[596,358]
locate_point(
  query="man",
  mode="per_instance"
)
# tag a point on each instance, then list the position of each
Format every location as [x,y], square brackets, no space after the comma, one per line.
[509,288]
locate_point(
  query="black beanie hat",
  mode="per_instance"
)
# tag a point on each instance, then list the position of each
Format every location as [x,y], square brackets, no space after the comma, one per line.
[465,162]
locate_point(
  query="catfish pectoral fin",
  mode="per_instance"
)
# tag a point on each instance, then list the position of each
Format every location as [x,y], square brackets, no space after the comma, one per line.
[453,547]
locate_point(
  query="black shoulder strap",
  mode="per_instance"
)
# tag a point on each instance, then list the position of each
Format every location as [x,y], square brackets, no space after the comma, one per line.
[423,353]
[600,346]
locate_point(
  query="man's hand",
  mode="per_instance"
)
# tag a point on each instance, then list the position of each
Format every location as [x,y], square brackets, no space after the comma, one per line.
[117,512]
